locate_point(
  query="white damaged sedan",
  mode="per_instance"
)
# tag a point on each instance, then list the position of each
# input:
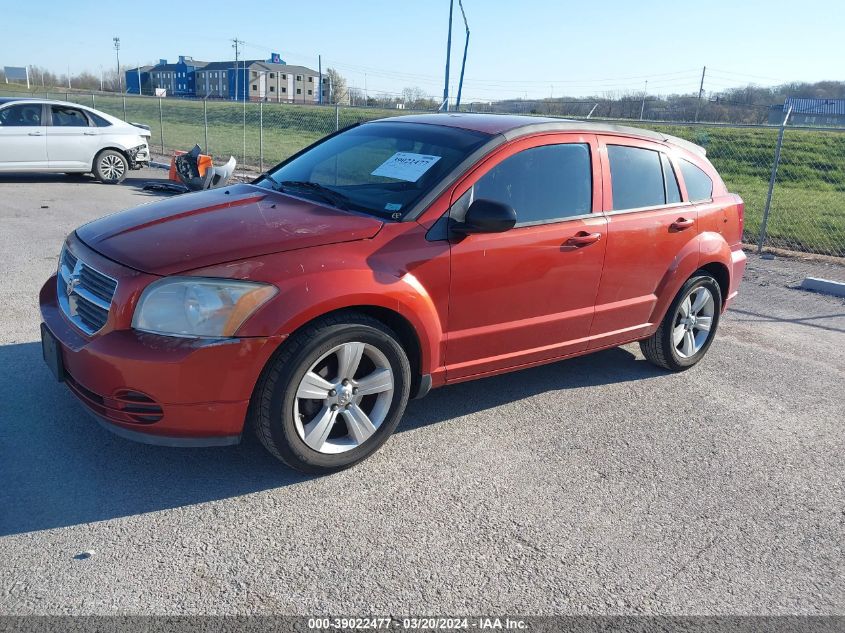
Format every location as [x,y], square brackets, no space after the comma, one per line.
[40,135]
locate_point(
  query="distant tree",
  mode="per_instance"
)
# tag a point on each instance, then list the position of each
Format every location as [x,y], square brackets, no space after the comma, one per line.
[337,83]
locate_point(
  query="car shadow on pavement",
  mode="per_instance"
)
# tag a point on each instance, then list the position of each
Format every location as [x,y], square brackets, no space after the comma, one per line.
[59,468]
[133,181]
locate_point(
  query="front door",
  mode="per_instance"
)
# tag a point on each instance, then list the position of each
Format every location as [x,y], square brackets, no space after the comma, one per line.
[527,295]
[23,138]
[71,141]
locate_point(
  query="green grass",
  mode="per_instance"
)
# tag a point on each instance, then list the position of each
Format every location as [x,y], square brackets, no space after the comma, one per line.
[808,206]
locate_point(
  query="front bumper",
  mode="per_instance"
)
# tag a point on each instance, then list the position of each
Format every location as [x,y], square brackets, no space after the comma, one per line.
[139,156]
[159,389]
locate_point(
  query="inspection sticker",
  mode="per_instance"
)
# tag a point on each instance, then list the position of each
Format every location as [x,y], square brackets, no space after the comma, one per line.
[405,166]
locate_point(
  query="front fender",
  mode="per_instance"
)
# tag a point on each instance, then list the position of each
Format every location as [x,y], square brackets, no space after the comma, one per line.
[309,296]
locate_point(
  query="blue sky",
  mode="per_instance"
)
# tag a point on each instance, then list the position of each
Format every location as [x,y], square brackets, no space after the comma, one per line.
[532,48]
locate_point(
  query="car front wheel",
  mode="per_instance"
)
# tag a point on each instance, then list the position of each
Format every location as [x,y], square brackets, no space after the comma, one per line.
[687,330]
[333,394]
[110,166]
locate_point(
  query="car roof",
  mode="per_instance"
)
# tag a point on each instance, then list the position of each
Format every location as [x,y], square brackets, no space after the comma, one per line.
[514,126]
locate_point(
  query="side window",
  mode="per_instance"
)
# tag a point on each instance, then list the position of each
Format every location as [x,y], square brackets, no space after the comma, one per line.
[24,114]
[637,177]
[699,185]
[542,184]
[64,116]
[98,120]
[673,191]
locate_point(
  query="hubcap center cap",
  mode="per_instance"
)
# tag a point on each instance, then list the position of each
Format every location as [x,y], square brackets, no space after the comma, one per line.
[344,395]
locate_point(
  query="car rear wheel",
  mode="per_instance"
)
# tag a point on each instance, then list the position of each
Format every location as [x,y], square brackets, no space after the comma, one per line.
[110,166]
[333,394]
[687,330]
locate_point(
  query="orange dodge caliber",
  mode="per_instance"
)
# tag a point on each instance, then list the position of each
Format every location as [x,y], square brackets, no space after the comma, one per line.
[385,260]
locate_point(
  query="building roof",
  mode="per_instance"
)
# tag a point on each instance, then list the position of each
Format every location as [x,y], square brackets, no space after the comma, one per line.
[804,105]
[253,64]
[514,126]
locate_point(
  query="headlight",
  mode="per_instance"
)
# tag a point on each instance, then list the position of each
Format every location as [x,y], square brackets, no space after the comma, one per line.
[193,306]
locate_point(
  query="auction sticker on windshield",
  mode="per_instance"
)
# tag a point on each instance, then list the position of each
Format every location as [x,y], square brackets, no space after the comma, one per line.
[406,166]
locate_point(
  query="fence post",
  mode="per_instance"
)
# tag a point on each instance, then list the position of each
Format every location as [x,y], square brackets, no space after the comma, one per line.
[261,136]
[767,209]
[93,101]
[336,117]
[124,107]
[161,124]
[205,122]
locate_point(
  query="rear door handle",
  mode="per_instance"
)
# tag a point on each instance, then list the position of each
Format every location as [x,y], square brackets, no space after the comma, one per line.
[583,238]
[34,133]
[680,224]
[90,133]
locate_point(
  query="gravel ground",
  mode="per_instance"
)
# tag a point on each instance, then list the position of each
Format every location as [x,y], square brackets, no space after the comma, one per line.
[595,485]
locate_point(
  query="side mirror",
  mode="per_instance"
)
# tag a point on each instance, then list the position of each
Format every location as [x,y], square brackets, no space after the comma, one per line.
[486,216]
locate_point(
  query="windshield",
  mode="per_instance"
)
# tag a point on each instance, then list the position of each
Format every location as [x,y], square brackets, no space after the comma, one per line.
[378,168]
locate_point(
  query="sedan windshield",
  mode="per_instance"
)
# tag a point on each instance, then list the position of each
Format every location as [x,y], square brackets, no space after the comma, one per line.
[378,168]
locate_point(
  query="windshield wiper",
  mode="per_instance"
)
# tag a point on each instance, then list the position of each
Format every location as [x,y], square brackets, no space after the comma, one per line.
[329,195]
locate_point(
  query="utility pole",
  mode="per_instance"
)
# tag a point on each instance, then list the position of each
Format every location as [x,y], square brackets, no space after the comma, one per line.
[320,71]
[642,107]
[140,87]
[700,93]
[448,58]
[236,45]
[464,62]
[117,54]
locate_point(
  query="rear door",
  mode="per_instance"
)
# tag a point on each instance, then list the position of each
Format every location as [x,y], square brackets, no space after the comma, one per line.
[648,226]
[526,295]
[72,141]
[23,139]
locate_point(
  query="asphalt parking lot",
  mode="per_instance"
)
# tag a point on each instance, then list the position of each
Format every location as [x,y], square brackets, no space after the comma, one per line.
[595,485]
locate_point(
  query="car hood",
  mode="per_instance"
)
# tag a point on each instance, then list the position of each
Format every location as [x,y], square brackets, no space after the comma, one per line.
[217,226]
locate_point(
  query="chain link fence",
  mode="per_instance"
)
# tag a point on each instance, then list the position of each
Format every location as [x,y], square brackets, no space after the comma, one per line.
[791,179]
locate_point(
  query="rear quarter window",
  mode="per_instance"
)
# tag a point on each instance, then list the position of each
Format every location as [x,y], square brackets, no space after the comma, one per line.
[98,120]
[699,184]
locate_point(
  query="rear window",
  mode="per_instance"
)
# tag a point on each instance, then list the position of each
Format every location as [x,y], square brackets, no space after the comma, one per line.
[21,115]
[699,185]
[637,177]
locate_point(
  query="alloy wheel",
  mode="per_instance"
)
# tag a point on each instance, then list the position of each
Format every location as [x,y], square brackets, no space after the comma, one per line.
[343,398]
[112,167]
[693,322]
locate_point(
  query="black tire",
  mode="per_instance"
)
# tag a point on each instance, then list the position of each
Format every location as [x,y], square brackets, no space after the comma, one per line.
[107,164]
[272,410]
[660,349]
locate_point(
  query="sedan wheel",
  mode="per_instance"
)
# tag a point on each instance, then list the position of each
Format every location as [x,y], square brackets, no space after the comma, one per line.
[110,166]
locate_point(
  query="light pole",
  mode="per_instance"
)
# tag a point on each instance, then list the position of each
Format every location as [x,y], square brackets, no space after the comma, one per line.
[117,55]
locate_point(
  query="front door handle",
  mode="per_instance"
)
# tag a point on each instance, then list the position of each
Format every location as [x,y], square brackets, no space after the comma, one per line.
[583,238]
[681,224]
[34,134]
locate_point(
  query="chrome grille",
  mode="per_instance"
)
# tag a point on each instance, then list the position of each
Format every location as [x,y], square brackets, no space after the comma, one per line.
[85,294]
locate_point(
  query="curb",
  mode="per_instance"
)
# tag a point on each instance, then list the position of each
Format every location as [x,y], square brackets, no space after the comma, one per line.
[826,286]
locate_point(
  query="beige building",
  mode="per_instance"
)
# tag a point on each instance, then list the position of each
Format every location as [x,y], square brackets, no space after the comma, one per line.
[285,82]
